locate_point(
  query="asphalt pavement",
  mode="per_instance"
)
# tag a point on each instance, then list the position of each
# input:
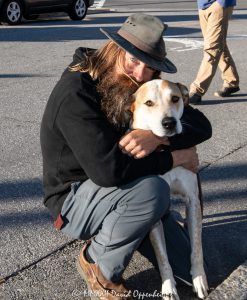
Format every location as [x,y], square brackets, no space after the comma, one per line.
[36,261]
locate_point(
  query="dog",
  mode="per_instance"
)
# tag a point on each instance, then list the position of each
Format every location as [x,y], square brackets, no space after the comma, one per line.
[158,106]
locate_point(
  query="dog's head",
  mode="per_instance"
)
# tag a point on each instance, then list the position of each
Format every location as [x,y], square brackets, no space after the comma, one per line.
[158,106]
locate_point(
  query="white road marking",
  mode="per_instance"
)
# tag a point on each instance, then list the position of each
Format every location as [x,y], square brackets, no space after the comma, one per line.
[193,44]
[98,4]
[187,44]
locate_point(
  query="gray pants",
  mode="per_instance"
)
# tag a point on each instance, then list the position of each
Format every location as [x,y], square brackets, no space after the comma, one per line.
[118,220]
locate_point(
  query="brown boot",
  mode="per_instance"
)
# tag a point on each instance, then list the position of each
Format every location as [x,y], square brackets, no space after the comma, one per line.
[99,287]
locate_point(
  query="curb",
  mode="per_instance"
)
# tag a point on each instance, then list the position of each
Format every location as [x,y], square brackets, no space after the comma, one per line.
[234,287]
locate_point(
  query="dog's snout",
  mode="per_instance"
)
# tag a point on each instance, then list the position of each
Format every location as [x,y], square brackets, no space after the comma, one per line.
[169,123]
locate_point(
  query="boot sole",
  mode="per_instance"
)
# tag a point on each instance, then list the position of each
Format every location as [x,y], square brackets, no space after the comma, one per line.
[83,276]
[217,94]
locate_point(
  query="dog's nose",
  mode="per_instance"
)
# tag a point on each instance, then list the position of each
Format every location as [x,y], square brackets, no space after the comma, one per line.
[169,123]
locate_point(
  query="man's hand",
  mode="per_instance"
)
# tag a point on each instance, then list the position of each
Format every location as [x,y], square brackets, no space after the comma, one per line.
[140,143]
[187,158]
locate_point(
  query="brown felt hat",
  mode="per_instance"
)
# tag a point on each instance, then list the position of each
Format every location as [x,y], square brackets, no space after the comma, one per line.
[142,36]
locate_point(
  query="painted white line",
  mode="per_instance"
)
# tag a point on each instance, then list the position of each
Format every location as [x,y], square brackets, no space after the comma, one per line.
[187,44]
[240,36]
[193,44]
[98,4]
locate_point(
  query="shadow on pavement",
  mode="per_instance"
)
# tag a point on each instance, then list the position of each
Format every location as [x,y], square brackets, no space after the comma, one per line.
[226,172]
[61,34]
[158,2]
[62,30]
[19,219]
[11,190]
[232,99]
[239,215]
[224,244]
[4,76]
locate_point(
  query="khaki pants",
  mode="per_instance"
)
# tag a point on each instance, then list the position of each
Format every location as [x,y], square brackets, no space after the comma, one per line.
[214,24]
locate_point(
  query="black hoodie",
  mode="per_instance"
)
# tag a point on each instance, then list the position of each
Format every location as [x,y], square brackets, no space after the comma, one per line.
[78,142]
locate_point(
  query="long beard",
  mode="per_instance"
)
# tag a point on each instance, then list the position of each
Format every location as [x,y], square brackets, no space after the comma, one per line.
[115,92]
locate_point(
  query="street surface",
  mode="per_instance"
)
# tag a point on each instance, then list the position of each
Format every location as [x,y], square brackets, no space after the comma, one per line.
[38,262]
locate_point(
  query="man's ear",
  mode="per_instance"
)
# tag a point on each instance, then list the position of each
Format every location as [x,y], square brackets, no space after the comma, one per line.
[185,92]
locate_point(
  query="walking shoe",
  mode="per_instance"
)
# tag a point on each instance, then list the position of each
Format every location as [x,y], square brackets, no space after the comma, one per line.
[99,288]
[195,98]
[226,91]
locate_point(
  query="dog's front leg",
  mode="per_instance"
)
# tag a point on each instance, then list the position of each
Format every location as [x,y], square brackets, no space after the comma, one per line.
[157,239]
[194,219]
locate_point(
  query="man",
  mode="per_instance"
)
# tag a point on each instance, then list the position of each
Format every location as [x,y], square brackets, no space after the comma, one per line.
[214,16]
[102,184]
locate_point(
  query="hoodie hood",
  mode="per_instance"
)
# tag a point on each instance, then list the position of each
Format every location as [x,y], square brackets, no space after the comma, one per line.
[79,54]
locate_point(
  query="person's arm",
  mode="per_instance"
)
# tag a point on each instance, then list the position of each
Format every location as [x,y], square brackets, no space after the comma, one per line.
[140,143]
[196,129]
[187,158]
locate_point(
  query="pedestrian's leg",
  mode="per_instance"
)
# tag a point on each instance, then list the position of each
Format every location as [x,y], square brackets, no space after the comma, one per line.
[213,47]
[229,73]
[226,64]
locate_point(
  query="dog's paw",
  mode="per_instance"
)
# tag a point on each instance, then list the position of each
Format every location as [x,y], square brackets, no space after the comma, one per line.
[200,286]
[169,291]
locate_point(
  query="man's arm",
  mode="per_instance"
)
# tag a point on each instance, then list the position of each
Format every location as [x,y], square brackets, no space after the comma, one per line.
[196,129]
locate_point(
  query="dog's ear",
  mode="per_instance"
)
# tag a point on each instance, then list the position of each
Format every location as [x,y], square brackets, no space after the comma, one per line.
[129,105]
[128,109]
[185,92]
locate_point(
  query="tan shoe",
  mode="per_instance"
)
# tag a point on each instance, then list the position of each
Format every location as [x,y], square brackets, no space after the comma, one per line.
[99,287]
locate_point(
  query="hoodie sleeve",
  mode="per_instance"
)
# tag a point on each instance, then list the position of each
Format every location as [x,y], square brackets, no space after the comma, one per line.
[196,129]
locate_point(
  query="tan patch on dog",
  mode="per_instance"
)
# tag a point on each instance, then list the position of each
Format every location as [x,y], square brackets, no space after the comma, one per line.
[175,91]
[141,94]
[165,84]
[132,108]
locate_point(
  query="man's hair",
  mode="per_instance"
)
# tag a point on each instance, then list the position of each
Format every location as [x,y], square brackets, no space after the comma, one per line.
[97,62]
[114,90]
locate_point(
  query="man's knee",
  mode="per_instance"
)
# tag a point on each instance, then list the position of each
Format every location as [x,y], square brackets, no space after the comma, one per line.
[154,196]
[212,55]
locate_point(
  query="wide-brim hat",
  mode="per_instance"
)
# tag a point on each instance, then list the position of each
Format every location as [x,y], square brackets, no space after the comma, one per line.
[142,36]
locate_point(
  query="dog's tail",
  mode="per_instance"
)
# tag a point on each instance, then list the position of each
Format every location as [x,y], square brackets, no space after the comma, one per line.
[200,192]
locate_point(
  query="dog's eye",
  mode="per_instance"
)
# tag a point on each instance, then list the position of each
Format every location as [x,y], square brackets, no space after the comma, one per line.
[175,99]
[149,103]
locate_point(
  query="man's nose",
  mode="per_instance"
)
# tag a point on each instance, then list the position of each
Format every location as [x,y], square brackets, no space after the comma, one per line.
[139,73]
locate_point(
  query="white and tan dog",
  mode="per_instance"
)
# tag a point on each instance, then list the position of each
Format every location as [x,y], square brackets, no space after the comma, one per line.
[158,106]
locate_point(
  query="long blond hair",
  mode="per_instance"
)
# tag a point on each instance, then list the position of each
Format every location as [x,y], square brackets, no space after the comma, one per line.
[98,62]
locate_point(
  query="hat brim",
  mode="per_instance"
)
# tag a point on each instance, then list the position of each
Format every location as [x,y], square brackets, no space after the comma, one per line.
[164,66]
